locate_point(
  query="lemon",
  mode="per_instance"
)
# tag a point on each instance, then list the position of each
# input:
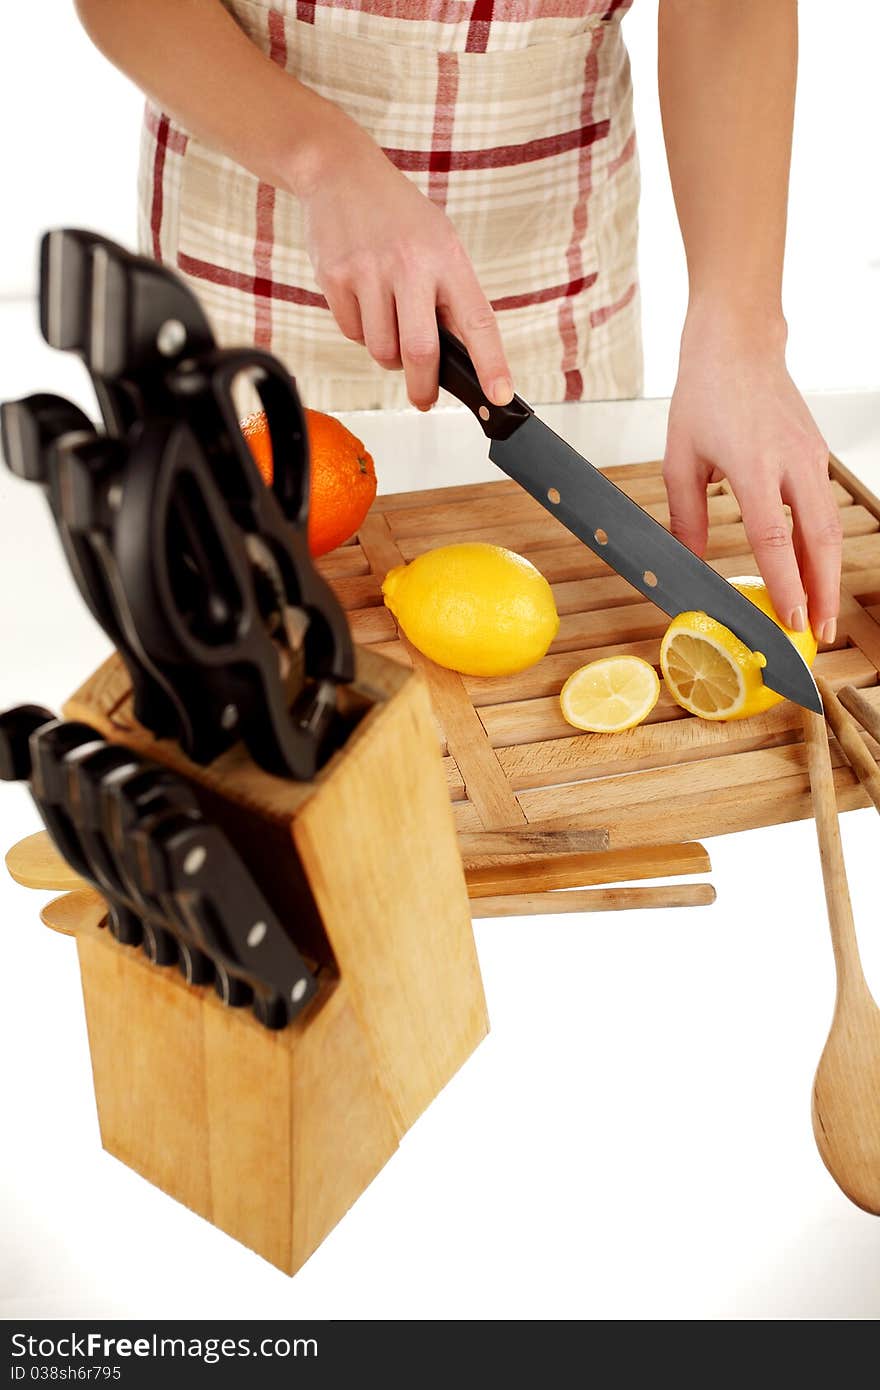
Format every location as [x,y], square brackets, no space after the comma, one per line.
[611,694]
[710,672]
[474,608]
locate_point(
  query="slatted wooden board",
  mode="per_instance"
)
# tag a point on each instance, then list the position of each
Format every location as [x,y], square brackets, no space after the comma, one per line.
[511,760]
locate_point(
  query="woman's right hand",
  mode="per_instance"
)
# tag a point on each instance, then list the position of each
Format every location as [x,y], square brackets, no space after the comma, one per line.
[389,263]
[387,260]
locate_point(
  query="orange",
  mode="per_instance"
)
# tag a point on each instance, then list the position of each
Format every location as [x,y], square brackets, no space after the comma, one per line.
[343,477]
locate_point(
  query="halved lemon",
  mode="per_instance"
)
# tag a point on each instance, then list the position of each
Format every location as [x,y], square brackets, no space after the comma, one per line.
[711,673]
[609,695]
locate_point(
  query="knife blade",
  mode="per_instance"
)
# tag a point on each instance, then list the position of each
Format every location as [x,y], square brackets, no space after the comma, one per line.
[616,529]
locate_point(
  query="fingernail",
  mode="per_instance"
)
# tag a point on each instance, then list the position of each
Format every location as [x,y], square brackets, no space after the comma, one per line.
[502,391]
[828,631]
[798,621]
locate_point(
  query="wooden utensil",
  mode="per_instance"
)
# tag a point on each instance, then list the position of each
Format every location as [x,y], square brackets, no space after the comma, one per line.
[36,863]
[595,900]
[586,870]
[846,731]
[67,914]
[846,1091]
[858,705]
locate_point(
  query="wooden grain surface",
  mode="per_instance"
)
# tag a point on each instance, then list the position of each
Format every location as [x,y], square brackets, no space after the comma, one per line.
[379,848]
[846,1091]
[849,736]
[511,761]
[67,914]
[595,900]
[363,863]
[584,870]
[35,863]
[271,1136]
[856,703]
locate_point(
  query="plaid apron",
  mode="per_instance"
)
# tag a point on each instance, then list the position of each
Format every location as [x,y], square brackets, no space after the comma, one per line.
[514,116]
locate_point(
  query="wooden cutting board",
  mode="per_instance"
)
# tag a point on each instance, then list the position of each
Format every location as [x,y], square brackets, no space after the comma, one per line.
[511,760]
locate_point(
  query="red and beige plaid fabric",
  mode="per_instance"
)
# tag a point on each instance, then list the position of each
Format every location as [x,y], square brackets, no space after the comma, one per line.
[516,117]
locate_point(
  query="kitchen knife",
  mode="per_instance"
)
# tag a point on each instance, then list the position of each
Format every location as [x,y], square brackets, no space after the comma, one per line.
[129,794]
[170,878]
[81,769]
[124,315]
[23,759]
[193,863]
[49,441]
[616,529]
[43,764]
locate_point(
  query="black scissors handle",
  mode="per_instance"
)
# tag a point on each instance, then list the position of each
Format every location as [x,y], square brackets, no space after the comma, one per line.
[200,574]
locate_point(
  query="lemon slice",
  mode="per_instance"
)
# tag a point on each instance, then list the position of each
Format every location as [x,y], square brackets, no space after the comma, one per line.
[610,695]
[703,668]
[711,673]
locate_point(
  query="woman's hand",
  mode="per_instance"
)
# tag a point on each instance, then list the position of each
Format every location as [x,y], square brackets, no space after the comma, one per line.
[727,84]
[737,414]
[388,262]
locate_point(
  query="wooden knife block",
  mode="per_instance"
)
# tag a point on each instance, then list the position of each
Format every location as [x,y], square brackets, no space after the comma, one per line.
[273,1135]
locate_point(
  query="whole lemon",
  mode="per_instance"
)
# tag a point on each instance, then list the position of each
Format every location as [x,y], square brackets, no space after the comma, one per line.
[475,608]
[711,673]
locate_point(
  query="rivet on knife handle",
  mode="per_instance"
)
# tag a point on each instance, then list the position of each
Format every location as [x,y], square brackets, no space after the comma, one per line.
[170,878]
[458,376]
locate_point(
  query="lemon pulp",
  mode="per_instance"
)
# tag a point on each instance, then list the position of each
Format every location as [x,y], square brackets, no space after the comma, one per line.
[609,695]
[711,673]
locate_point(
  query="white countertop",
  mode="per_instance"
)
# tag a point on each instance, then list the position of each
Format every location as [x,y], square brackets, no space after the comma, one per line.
[632,1141]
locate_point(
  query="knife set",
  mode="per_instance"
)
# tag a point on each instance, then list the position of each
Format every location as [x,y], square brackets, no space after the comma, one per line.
[172,882]
[199,574]
[226,795]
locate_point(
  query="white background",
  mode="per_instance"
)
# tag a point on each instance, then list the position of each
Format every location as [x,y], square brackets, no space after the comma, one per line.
[633,1140]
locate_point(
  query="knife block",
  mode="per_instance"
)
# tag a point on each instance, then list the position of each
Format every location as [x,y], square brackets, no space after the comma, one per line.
[273,1135]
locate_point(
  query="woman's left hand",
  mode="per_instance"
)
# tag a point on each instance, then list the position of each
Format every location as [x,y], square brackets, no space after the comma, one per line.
[737,414]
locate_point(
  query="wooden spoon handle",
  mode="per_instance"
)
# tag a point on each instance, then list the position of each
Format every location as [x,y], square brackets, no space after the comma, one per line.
[861,708]
[848,736]
[837,899]
[594,900]
[588,870]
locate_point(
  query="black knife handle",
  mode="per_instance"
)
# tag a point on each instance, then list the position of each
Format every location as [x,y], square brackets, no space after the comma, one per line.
[47,440]
[29,428]
[16,727]
[458,376]
[126,317]
[171,880]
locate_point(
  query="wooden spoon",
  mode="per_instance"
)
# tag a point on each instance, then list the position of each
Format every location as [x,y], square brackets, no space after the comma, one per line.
[846,1091]
[36,863]
[72,911]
